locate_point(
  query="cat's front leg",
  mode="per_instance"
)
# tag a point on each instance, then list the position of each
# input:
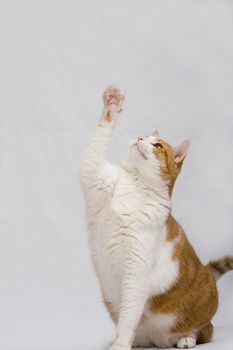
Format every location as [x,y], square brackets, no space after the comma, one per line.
[133,298]
[96,173]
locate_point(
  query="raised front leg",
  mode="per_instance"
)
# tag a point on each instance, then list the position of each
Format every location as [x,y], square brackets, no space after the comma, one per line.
[96,173]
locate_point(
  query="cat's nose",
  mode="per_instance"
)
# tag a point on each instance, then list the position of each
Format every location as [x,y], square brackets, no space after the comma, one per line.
[140,138]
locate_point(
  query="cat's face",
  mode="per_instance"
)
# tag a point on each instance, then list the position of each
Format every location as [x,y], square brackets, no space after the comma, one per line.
[155,159]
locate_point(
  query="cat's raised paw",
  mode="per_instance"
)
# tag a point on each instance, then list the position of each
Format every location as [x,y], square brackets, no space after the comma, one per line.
[113,96]
[186,343]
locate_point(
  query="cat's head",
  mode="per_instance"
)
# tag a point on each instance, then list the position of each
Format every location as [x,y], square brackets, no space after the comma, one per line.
[155,159]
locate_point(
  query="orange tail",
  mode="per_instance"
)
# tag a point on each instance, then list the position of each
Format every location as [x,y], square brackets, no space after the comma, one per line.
[221,266]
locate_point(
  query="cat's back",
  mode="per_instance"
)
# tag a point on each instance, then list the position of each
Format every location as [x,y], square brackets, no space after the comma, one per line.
[193,297]
[190,301]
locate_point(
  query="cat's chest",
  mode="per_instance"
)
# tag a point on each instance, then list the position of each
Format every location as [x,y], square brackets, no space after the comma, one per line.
[131,221]
[138,206]
[131,225]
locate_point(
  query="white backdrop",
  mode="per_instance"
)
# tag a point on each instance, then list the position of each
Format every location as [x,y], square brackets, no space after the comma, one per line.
[174,60]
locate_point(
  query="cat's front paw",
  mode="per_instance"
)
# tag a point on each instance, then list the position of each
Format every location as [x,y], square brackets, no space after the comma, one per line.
[119,347]
[113,97]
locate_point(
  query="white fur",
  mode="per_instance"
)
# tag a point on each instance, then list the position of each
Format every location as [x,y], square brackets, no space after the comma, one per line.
[127,208]
[155,331]
[186,343]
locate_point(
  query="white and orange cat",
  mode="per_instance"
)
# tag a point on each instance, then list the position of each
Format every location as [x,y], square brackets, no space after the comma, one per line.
[153,284]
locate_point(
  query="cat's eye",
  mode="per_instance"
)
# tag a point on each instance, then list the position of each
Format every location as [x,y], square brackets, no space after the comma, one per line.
[157,145]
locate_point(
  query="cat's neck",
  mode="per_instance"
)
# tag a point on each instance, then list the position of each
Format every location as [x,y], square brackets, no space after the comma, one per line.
[156,191]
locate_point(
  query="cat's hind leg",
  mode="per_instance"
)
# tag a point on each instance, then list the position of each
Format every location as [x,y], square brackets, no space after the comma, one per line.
[205,334]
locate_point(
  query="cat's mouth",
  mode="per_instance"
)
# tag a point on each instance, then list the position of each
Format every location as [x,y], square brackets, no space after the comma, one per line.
[138,148]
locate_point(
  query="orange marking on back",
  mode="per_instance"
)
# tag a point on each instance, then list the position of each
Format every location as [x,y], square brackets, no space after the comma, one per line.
[193,299]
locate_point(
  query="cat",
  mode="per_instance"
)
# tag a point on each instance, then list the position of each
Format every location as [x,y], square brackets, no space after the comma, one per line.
[153,284]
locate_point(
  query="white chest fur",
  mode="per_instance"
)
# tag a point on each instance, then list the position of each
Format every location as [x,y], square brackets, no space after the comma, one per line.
[132,226]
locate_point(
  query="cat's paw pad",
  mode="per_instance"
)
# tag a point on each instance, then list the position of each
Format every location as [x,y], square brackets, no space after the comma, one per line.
[186,343]
[113,96]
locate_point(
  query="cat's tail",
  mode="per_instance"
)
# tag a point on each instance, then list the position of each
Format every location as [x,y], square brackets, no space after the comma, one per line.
[221,266]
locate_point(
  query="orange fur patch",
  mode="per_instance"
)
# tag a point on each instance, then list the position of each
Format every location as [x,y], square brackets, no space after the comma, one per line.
[169,168]
[108,116]
[193,298]
[221,266]
[205,334]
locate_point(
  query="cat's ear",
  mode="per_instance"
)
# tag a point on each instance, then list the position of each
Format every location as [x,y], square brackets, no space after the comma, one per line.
[155,133]
[181,151]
